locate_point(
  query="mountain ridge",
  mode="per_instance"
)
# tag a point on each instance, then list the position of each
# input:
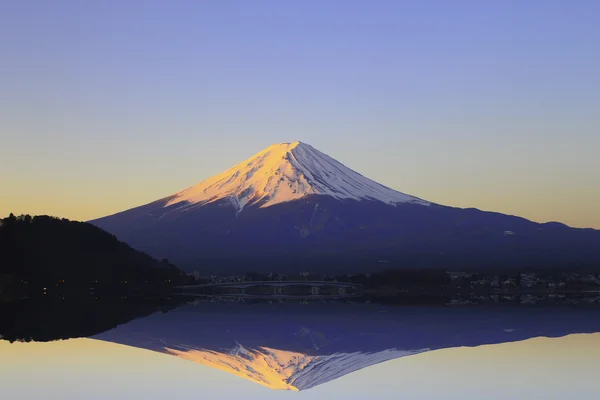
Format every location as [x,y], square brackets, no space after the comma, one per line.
[323,214]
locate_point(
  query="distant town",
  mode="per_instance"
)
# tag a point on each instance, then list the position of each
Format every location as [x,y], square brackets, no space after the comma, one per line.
[451,288]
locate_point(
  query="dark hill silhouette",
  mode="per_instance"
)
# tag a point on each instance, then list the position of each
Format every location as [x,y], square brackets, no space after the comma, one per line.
[52,252]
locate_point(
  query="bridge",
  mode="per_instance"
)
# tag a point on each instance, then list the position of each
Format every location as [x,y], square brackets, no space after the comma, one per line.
[275,289]
[246,284]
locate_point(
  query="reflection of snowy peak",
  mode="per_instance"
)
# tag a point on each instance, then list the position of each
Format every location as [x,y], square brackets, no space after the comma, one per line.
[299,346]
[285,172]
[272,368]
[286,370]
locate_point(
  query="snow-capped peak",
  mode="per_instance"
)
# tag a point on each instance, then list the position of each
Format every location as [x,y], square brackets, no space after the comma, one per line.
[286,370]
[284,172]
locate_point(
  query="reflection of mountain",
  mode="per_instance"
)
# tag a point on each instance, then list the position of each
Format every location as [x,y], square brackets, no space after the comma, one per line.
[297,347]
[286,370]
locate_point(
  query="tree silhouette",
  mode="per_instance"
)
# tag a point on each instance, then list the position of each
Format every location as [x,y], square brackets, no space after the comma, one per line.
[45,251]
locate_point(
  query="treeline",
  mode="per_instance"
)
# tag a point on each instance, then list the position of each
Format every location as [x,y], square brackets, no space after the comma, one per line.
[402,279]
[45,251]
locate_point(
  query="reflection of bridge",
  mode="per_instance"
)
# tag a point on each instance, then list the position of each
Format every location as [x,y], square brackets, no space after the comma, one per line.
[275,289]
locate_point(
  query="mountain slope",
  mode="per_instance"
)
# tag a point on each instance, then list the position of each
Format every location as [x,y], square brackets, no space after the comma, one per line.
[292,207]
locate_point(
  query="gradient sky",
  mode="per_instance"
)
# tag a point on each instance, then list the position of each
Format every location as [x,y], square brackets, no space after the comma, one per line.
[110,104]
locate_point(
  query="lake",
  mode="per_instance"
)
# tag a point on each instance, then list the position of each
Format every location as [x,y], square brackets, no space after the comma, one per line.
[318,350]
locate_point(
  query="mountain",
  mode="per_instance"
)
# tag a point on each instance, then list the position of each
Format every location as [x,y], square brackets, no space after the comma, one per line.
[291,207]
[282,173]
[299,346]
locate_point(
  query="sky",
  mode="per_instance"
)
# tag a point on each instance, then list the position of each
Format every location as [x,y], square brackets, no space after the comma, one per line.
[111,104]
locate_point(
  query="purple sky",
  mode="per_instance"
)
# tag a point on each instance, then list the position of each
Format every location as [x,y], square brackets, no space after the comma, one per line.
[111,104]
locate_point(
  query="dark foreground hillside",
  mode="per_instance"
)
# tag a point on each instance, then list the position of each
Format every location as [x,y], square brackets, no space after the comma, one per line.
[54,253]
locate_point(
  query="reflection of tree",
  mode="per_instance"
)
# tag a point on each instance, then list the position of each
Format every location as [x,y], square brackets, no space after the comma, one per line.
[61,319]
[8,287]
[401,279]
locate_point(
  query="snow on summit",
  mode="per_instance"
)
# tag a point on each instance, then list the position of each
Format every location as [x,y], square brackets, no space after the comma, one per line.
[286,370]
[284,172]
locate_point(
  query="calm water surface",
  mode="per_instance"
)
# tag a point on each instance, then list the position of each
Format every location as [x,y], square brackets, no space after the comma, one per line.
[288,350]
